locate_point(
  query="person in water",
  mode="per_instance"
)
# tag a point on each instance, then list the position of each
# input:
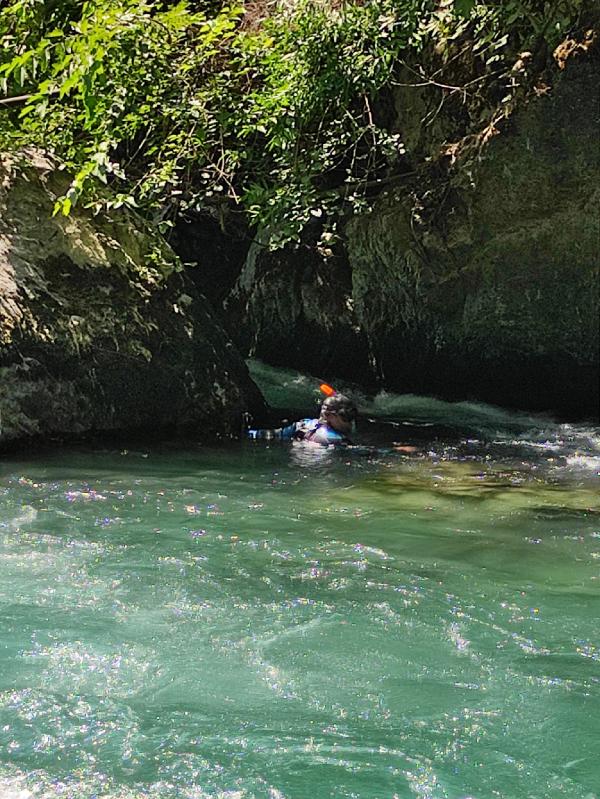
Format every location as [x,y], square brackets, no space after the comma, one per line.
[336,422]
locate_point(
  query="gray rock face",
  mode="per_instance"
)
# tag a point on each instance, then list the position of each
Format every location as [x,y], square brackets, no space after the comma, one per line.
[492,291]
[477,282]
[292,308]
[98,329]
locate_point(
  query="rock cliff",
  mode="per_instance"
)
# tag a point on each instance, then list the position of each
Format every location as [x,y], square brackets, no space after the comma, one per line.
[99,328]
[476,278]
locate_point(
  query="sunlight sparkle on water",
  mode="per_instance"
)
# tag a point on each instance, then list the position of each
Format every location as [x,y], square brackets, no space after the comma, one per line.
[239,623]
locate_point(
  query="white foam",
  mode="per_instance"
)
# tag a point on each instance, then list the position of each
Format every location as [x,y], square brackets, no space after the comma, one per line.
[27,516]
[585,463]
[12,788]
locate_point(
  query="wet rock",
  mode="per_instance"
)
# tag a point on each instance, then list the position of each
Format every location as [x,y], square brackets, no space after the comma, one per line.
[294,308]
[491,288]
[99,328]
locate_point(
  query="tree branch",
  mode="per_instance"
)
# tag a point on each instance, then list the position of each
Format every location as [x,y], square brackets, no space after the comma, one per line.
[22,98]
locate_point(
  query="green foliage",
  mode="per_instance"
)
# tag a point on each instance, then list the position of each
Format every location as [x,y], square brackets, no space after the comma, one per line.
[112,91]
[499,29]
[310,140]
[178,107]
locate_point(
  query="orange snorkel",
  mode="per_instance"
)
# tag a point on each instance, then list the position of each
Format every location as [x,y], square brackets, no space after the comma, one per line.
[327,390]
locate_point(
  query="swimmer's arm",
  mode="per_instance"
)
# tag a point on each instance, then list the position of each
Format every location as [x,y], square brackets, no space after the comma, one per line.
[289,431]
[283,433]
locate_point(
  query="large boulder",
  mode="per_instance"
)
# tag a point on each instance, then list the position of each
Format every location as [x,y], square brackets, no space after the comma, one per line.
[489,287]
[99,327]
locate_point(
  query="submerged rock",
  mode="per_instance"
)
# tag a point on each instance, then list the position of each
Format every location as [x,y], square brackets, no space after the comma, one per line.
[99,329]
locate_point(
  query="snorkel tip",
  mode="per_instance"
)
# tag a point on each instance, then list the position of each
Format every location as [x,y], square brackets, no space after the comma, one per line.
[328,390]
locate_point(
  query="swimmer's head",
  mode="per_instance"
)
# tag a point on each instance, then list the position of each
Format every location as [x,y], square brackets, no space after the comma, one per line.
[340,412]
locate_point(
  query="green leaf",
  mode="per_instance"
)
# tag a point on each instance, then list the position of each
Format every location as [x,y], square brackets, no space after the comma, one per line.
[464,7]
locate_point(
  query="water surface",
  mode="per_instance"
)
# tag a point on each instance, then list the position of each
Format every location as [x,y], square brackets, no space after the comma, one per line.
[256,621]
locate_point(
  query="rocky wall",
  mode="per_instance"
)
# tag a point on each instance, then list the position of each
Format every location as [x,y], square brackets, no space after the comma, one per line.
[99,328]
[476,279]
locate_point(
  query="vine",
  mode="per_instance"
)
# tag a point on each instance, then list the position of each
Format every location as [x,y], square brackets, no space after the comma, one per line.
[180,107]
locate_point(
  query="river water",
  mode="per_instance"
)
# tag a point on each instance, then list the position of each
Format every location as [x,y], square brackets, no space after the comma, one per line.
[264,621]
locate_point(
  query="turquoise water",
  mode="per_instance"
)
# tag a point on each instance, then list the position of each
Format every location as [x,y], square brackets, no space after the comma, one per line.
[262,621]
